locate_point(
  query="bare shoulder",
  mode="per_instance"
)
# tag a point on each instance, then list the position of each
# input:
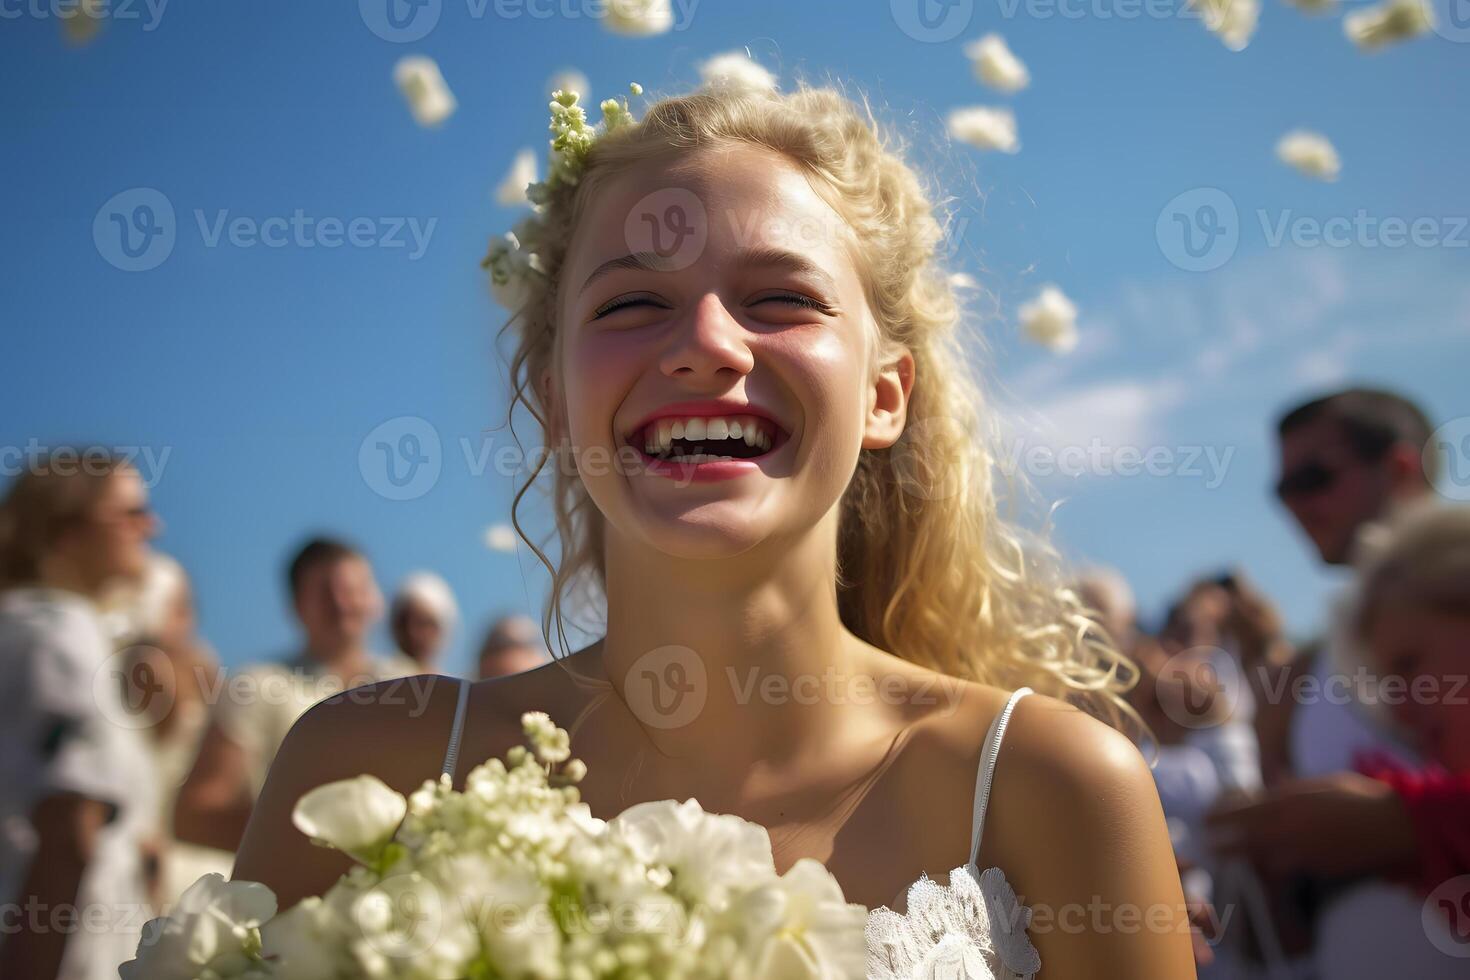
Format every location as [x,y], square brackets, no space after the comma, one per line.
[1076,824]
[397,730]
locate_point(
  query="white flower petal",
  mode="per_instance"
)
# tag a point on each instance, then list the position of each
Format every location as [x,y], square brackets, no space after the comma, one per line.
[512,189]
[995,65]
[356,816]
[423,86]
[1310,153]
[1234,21]
[500,537]
[639,18]
[735,70]
[1051,320]
[1396,20]
[985,128]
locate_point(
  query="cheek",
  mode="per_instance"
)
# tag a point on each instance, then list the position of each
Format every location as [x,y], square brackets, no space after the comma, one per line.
[596,373]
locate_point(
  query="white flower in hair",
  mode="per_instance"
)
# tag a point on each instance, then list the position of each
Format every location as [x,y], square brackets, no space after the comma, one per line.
[1051,320]
[1234,21]
[1396,20]
[513,260]
[995,65]
[639,18]
[735,70]
[985,128]
[1311,153]
[569,80]
[423,86]
[512,189]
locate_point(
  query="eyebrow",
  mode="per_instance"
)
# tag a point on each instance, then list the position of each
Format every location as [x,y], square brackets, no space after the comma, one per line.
[760,256]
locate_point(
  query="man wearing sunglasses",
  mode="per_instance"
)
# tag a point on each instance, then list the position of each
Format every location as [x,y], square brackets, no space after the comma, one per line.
[1349,460]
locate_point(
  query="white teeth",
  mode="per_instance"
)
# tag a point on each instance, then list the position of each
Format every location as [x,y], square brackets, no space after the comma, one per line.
[659,436]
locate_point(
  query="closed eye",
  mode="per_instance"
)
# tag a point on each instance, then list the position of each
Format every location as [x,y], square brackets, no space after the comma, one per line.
[622,302]
[796,299]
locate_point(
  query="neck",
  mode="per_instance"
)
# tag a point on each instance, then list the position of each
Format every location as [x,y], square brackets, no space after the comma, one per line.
[730,659]
[342,657]
[56,573]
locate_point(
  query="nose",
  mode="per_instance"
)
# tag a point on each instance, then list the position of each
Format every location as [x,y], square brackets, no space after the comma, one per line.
[708,343]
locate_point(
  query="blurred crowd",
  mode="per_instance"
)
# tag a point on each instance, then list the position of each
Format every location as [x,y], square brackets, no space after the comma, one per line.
[1317,789]
[130,759]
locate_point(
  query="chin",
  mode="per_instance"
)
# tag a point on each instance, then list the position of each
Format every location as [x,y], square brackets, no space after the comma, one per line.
[716,530]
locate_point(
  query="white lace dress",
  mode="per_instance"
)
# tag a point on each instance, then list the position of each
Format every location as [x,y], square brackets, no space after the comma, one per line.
[972,928]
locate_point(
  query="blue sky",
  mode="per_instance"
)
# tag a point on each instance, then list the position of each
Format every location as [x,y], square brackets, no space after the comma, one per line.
[254,375]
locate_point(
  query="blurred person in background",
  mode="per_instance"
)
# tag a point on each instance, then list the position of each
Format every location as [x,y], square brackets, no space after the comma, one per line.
[1408,623]
[513,645]
[422,618]
[336,601]
[77,791]
[1349,462]
[171,677]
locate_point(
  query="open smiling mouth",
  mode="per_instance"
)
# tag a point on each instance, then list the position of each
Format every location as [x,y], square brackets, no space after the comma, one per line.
[707,439]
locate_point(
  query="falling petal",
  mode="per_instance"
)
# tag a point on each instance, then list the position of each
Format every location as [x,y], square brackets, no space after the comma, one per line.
[1051,320]
[735,70]
[423,86]
[985,128]
[500,537]
[81,25]
[1310,153]
[512,190]
[1314,6]
[1397,20]
[639,18]
[963,280]
[1234,21]
[995,65]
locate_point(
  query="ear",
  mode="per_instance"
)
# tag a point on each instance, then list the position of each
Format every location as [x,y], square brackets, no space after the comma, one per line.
[890,401]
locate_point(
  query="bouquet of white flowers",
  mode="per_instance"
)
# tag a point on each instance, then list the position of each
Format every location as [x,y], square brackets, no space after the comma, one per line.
[514,878]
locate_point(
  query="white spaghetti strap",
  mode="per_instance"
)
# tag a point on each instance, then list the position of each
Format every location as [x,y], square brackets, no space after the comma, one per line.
[451,755]
[989,753]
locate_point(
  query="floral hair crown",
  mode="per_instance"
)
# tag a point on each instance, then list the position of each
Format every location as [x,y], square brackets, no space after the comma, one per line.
[513,260]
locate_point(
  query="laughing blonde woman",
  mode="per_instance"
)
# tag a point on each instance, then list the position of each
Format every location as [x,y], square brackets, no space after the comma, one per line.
[773,469]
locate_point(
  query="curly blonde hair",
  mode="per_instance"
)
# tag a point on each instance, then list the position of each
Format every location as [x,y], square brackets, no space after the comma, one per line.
[929,568]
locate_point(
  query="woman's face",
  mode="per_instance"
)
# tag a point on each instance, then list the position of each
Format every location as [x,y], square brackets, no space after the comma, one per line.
[116,530]
[1431,651]
[705,296]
